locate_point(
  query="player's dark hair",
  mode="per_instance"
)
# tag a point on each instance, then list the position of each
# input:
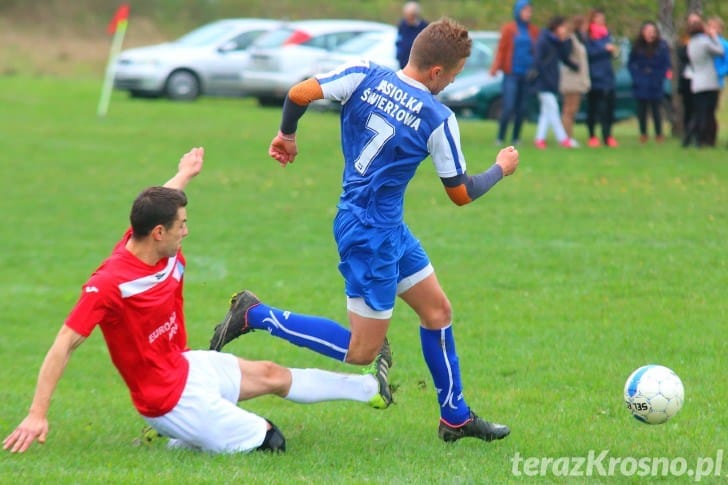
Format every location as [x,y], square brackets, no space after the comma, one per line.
[155,206]
[442,43]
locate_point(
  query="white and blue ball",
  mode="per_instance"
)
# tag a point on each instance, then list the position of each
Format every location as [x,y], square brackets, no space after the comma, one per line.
[653,394]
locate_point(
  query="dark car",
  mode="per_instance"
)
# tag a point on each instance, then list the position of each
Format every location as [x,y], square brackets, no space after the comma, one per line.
[475,93]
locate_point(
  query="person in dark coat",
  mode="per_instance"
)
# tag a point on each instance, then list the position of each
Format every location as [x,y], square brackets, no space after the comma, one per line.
[409,27]
[600,49]
[649,63]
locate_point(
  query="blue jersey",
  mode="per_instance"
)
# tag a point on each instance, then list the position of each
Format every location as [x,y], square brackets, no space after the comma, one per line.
[389,124]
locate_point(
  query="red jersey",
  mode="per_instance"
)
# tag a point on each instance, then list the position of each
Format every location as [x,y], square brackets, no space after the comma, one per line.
[139,310]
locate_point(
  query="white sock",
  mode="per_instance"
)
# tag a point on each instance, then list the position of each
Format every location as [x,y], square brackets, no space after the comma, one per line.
[316,385]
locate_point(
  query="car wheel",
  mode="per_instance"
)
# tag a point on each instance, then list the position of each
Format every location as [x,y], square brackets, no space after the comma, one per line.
[495,109]
[182,85]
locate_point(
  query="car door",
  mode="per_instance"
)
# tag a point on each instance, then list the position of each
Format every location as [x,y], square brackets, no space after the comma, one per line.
[225,71]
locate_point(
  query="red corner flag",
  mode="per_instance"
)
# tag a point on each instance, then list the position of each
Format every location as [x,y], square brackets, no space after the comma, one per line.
[120,18]
[117,27]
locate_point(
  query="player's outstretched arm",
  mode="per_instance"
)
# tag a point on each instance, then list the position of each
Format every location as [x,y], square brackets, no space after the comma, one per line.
[35,425]
[189,166]
[283,148]
[463,189]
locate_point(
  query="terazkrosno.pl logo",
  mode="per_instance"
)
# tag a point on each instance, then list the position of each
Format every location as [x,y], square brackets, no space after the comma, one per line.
[602,464]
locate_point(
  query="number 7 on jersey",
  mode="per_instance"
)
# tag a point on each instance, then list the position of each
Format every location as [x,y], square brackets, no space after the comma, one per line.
[383,132]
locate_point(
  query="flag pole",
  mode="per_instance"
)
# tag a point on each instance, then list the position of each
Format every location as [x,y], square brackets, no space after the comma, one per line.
[118,25]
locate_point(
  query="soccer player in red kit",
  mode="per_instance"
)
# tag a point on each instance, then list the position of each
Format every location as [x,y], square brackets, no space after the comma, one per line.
[190,396]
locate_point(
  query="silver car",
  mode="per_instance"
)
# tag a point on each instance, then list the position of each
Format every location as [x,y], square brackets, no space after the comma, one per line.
[208,60]
[378,47]
[290,54]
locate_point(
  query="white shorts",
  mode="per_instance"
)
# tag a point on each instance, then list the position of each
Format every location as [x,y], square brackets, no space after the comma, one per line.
[207,416]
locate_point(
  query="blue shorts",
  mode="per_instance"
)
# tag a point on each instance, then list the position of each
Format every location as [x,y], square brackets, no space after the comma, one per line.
[374,260]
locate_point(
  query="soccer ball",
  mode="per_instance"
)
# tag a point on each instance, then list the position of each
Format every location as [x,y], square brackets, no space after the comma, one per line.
[653,394]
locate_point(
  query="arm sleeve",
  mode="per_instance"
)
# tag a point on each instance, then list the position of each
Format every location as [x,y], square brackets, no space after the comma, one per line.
[296,103]
[340,84]
[444,147]
[564,51]
[463,189]
[93,307]
[715,47]
[596,49]
[500,52]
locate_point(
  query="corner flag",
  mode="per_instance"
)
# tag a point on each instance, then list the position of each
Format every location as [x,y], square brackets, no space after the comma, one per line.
[120,19]
[117,27]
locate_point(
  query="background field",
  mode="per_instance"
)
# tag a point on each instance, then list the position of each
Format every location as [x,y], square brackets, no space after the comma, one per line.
[583,266]
[63,37]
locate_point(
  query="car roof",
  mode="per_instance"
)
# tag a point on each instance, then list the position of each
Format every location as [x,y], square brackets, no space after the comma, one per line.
[321,26]
[247,21]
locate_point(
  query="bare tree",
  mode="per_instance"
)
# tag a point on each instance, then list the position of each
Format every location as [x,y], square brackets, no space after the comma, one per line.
[666,20]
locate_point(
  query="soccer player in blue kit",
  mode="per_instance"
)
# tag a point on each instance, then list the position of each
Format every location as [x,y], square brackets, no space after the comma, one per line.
[390,122]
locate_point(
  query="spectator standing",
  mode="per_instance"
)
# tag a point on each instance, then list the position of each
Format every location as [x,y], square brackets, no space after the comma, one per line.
[684,70]
[601,97]
[515,58]
[552,48]
[649,63]
[409,26]
[703,47]
[574,84]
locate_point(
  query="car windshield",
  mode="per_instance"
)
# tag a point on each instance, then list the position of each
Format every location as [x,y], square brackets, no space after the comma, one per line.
[479,58]
[481,55]
[206,35]
[274,38]
[360,44]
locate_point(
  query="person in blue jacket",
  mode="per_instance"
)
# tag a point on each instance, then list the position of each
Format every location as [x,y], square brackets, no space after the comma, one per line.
[649,63]
[600,49]
[514,57]
[409,26]
[552,48]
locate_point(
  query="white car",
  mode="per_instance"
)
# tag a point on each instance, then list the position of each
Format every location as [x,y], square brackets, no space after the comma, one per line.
[290,54]
[208,60]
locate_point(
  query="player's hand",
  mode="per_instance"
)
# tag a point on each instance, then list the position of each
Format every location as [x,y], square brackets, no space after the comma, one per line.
[30,429]
[191,162]
[283,148]
[507,159]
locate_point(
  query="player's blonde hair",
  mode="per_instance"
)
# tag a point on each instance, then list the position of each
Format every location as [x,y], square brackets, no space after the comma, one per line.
[442,43]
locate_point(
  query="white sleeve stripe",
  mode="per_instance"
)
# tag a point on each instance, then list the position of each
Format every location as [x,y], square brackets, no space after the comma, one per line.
[444,147]
[455,148]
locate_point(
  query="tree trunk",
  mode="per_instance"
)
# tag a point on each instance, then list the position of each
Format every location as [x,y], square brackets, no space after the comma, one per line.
[666,20]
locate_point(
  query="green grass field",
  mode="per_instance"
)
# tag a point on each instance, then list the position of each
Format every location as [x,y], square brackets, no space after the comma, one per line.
[581,267]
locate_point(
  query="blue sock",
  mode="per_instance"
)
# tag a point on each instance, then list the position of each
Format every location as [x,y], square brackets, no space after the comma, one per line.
[316,333]
[438,348]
